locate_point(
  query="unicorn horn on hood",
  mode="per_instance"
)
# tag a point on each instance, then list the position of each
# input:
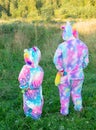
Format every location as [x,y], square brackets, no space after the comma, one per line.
[67,31]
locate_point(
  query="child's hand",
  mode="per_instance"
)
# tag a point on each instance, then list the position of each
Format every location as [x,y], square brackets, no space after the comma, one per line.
[23,90]
[61,73]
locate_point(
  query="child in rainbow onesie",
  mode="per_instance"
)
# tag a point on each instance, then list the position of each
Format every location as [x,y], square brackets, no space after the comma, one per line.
[30,78]
[70,58]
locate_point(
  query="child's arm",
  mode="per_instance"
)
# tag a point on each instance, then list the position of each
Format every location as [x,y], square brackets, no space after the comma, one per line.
[85,59]
[24,77]
[57,60]
[38,78]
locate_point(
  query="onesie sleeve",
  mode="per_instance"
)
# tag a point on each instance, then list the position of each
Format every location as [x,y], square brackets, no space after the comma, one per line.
[24,76]
[38,78]
[85,58]
[58,60]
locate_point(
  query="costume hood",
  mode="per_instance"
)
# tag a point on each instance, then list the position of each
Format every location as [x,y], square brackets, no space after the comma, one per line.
[32,56]
[67,32]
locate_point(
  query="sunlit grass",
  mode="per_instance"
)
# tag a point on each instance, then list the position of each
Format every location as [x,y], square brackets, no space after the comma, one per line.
[14,38]
[86,27]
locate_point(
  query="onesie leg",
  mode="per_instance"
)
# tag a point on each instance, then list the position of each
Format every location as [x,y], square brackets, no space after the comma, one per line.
[33,104]
[27,110]
[64,92]
[37,109]
[76,94]
[36,112]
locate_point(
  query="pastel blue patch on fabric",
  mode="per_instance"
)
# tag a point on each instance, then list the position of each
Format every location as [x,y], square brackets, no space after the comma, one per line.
[67,33]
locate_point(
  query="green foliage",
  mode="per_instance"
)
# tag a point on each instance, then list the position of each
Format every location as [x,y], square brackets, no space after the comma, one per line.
[47,9]
[14,38]
[47,12]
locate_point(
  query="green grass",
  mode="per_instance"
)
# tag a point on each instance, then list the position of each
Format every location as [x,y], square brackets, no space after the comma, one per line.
[14,38]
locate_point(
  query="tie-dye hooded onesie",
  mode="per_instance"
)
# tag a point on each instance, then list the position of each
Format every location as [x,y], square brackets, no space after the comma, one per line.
[30,78]
[71,57]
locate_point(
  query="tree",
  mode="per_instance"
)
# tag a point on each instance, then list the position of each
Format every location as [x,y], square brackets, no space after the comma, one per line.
[39,5]
[93,2]
[5,7]
[14,8]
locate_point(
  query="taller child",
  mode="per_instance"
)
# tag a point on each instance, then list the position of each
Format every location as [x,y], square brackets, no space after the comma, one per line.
[70,58]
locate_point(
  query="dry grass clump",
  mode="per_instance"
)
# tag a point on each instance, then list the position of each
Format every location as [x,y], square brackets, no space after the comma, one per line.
[86,27]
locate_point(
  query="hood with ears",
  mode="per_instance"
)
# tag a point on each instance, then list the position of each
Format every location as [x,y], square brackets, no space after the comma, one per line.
[32,56]
[68,31]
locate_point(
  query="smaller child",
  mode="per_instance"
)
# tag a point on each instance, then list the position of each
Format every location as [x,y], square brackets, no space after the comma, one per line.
[30,78]
[70,58]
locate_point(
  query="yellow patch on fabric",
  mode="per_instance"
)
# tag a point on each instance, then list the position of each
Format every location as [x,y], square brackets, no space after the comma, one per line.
[57,78]
[26,55]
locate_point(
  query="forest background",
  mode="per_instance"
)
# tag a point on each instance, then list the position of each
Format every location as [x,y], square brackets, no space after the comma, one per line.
[47,9]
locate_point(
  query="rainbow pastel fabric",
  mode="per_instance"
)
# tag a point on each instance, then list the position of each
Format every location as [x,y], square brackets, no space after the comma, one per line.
[30,79]
[72,57]
[71,88]
[67,31]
